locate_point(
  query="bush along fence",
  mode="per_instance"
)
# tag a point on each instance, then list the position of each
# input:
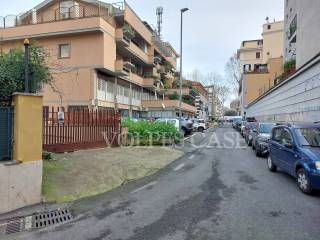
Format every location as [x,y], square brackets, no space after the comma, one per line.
[81,129]
[144,133]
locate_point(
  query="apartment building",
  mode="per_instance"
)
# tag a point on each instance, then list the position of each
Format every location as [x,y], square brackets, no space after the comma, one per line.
[102,55]
[261,62]
[297,98]
[302,35]
[201,100]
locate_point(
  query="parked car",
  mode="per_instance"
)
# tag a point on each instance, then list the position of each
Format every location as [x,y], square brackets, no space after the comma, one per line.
[199,124]
[260,136]
[186,125]
[251,119]
[238,125]
[246,131]
[296,150]
[235,121]
[243,124]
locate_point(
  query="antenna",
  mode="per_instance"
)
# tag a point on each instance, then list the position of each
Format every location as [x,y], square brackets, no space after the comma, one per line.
[159,14]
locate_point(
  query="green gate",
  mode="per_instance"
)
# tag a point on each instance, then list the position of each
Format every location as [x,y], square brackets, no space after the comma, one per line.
[6,133]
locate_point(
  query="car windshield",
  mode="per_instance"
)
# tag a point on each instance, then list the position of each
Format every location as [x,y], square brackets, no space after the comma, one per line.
[309,136]
[266,128]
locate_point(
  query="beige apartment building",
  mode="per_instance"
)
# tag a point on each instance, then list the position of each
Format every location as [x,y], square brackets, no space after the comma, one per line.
[102,55]
[261,62]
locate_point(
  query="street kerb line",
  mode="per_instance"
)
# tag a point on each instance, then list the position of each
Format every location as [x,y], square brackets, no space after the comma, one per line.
[144,187]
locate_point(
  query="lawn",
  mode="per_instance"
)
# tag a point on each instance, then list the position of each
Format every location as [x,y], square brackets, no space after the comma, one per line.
[81,174]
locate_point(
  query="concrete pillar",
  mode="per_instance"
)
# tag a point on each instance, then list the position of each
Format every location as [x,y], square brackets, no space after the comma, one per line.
[27,127]
[21,179]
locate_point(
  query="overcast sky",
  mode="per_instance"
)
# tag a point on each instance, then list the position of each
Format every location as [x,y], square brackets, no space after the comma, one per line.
[213,29]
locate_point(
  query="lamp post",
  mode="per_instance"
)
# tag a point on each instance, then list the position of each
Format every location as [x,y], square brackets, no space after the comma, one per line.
[26,44]
[183,10]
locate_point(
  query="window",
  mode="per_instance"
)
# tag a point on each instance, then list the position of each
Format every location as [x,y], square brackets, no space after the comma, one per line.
[110,87]
[286,137]
[258,55]
[100,84]
[276,135]
[66,8]
[269,26]
[64,51]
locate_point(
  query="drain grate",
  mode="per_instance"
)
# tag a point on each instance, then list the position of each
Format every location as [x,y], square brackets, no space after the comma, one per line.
[50,218]
[14,225]
[38,220]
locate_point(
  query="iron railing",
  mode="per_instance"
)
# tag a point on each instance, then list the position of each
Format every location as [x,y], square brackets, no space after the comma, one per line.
[62,13]
[79,129]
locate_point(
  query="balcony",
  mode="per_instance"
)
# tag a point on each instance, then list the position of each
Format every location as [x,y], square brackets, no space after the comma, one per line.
[121,68]
[121,38]
[174,104]
[148,83]
[136,79]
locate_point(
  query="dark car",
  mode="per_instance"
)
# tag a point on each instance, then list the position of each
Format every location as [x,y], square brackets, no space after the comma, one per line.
[246,131]
[296,150]
[236,123]
[260,136]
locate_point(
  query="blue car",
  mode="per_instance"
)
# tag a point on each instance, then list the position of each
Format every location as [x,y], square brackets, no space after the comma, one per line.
[296,150]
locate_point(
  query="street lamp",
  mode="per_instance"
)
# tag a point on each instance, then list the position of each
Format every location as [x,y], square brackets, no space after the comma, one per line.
[183,10]
[26,44]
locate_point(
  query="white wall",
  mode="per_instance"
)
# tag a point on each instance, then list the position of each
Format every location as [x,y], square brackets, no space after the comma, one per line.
[295,100]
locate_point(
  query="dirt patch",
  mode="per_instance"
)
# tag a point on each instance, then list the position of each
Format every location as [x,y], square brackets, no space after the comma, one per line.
[81,174]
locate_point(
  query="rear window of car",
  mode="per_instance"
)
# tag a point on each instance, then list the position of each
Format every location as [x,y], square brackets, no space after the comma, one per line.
[201,121]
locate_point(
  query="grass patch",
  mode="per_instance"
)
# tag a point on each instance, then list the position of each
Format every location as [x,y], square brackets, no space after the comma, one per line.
[50,168]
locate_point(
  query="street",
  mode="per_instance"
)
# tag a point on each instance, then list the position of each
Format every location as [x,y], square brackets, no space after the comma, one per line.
[209,193]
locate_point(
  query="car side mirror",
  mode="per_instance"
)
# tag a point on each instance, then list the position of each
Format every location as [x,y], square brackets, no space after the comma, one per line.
[289,145]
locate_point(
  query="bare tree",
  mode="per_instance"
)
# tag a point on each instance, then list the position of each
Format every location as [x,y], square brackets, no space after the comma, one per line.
[233,73]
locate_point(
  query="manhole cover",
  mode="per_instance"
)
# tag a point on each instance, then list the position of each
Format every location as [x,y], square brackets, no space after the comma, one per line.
[38,220]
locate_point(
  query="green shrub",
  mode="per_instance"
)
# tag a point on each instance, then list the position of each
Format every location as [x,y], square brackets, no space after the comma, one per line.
[153,133]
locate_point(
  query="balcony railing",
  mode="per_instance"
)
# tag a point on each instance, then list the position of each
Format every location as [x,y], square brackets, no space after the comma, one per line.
[121,67]
[60,14]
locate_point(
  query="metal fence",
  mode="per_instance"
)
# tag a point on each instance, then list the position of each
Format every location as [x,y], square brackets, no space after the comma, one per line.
[79,129]
[60,14]
[6,132]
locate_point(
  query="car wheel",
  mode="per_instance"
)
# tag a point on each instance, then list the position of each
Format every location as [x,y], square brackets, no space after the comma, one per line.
[201,129]
[303,181]
[253,146]
[258,153]
[271,166]
[249,143]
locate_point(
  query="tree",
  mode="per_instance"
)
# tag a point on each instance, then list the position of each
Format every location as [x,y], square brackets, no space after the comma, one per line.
[12,72]
[230,112]
[233,73]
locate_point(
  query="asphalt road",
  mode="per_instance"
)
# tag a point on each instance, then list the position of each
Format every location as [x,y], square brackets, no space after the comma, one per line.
[216,191]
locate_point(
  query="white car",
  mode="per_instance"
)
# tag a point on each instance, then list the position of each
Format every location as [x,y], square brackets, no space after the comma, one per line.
[199,124]
[186,125]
